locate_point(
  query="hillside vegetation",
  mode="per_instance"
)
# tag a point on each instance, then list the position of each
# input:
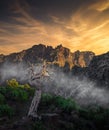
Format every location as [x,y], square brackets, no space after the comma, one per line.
[57,113]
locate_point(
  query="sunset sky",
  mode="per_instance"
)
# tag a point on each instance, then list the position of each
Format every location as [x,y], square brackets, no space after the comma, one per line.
[77,24]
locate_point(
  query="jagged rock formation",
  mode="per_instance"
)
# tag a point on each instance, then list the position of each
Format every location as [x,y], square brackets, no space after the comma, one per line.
[59,56]
[98,69]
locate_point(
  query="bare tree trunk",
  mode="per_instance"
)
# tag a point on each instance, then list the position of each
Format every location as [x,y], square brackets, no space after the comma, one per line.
[35,102]
[36,99]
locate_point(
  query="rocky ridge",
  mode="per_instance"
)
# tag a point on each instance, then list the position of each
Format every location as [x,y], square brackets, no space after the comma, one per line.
[58,56]
[98,69]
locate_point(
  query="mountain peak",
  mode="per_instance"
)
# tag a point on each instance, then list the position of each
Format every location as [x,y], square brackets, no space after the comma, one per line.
[59,55]
[59,46]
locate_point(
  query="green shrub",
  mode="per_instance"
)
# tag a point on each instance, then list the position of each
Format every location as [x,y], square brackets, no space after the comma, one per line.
[47,99]
[2,98]
[12,83]
[30,91]
[96,114]
[18,94]
[21,86]
[3,90]
[23,95]
[13,86]
[27,86]
[65,104]
[6,110]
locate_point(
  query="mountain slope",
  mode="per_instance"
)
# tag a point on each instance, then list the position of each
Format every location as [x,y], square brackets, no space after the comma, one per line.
[59,56]
[55,112]
[98,69]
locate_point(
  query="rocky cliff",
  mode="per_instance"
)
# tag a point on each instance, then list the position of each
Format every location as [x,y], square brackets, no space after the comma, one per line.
[98,69]
[59,56]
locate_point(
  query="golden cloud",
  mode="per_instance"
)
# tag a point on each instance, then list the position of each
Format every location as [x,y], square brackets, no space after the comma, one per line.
[101,5]
[80,32]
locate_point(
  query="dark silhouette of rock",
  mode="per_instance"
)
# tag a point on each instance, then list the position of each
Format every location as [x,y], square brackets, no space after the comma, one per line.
[58,56]
[98,69]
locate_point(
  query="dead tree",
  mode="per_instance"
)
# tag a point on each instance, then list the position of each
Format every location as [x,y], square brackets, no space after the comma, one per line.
[37,96]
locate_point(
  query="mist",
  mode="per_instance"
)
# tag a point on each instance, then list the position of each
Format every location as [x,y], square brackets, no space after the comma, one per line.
[9,71]
[84,91]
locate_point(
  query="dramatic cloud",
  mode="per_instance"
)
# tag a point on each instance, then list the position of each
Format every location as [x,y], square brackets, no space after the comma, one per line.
[101,6]
[78,25]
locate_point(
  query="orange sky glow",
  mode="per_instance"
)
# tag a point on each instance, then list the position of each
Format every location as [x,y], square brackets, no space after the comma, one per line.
[86,30]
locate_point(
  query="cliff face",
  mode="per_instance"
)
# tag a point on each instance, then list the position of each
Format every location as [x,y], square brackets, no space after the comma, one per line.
[82,59]
[59,55]
[63,56]
[98,69]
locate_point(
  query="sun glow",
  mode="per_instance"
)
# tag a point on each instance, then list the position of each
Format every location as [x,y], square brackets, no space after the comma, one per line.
[87,29]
